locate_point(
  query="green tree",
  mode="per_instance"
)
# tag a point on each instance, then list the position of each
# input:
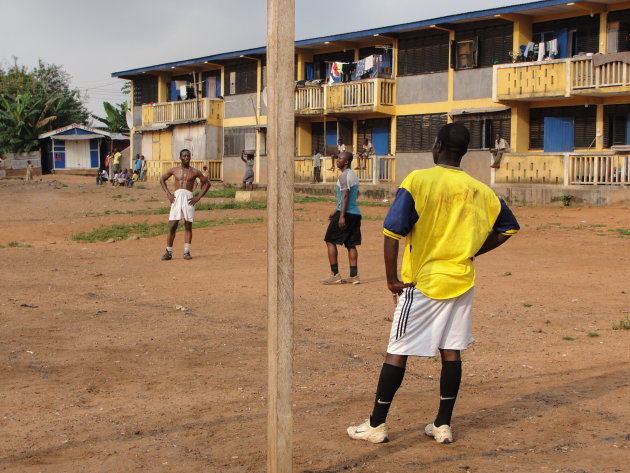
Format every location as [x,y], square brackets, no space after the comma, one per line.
[42,98]
[115,119]
[22,119]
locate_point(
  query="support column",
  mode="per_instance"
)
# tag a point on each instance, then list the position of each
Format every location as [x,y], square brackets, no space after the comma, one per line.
[281,137]
[519,129]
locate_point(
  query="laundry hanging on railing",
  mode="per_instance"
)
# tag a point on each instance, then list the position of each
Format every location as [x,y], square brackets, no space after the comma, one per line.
[368,67]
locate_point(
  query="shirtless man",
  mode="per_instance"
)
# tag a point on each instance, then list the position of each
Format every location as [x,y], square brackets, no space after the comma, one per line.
[182,201]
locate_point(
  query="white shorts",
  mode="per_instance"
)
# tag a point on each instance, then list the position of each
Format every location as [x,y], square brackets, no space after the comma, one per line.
[180,208]
[421,325]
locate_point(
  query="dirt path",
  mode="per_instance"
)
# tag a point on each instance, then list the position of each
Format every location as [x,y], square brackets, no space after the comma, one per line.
[101,372]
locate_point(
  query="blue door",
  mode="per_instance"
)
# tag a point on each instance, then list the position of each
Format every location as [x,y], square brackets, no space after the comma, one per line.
[380,141]
[562,37]
[59,154]
[559,133]
[628,129]
[94,153]
[331,134]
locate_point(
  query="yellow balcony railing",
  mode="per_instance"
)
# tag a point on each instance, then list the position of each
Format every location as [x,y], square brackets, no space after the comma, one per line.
[377,169]
[368,95]
[309,100]
[529,80]
[155,169]
[561,78]
[182,111]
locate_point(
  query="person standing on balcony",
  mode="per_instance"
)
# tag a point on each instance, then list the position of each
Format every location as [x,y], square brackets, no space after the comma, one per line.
[345,223]
[248,177]
[317,163]
[500,146]
[448,218]
[182,201]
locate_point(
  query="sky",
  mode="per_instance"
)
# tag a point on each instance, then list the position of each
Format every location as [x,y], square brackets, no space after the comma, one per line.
[93,38]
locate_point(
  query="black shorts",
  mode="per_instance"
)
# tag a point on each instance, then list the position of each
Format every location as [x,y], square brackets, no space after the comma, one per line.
[349,236]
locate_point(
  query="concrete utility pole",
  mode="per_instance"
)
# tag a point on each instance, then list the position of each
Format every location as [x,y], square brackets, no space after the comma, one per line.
[280,152]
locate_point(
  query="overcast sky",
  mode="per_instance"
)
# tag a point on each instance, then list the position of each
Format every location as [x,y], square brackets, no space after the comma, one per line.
[91,39]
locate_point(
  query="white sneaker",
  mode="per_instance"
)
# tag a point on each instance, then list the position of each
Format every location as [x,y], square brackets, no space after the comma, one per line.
[332,279]
[441,434]
[366,432]
[352,280]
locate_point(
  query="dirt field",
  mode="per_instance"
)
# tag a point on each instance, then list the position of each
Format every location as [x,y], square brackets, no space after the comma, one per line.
[101,372]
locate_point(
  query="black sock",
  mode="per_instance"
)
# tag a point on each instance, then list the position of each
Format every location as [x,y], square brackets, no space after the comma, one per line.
[353,271]
[334,268]
[388,383]
[449,386]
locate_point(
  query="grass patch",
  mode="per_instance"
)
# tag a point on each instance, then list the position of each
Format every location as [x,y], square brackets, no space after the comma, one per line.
[624,324]
[527,304]
[211,206]
[139,186]
[227,192]
[152,199]
[299,198]
[16,244]
[621,231]
[116,196]
[593,334]
[568,338]
[145,230]
[370,217]
[373,204]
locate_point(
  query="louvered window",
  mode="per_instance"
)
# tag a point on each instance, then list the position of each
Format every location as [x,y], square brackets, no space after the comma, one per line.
[623,30]
[484,126]
[491,42]
[421,54]
[616,119]
[240,77]
[584,125]
[415,133]
[238,139]
[585,38]
[145,90]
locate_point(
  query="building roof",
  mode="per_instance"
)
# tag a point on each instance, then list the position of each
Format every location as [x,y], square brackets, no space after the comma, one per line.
[76,131]
[543,7]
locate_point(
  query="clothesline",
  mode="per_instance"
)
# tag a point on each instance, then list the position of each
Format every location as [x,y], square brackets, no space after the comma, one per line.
[347,71]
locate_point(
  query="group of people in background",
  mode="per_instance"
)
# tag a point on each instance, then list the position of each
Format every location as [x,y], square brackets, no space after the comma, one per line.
[367,151]
[117,176]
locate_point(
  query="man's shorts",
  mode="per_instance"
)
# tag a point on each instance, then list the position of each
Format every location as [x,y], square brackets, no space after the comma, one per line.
[421,325]
[350,236]
[180,208]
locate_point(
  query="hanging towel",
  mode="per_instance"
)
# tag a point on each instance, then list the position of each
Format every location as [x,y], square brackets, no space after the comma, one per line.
[541,51]
[369,62]
[553,48]
[528,49]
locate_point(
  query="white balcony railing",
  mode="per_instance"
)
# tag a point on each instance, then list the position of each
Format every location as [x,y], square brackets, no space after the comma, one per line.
[595,170]
[309,98]
[585,75]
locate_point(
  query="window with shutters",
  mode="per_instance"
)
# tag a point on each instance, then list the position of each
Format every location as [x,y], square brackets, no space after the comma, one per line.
[415,133]
[616,118]
[422,53]
[484,126]
[584,125]
[145,90]
[241,77]
[619,31]
[238,139]
[585,37]
[491,42]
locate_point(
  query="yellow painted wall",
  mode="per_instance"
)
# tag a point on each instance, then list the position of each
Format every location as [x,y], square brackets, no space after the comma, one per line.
[162,87]
[523,169]
[304,138]
[532,81]
[162,145]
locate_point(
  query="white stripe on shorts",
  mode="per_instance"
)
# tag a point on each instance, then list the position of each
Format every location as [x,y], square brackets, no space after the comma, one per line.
[421,325]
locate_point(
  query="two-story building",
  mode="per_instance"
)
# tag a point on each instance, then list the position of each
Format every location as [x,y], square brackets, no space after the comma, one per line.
[552,77]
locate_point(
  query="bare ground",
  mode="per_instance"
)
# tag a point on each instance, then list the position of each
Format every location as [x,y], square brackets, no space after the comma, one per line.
[101,373]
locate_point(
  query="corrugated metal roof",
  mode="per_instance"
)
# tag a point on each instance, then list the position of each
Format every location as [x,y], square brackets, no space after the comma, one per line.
[357,34]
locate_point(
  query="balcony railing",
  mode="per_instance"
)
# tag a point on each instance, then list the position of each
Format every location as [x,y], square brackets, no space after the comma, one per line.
[369,95]
[560,78]
[377,169]
[594,169]
[155,169]
[180,111]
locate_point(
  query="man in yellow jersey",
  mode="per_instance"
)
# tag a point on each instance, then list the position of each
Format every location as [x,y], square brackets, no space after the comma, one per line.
[447,218]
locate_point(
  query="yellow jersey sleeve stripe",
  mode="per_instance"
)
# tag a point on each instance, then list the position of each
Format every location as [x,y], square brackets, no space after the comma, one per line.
[509,232]
[389,234]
